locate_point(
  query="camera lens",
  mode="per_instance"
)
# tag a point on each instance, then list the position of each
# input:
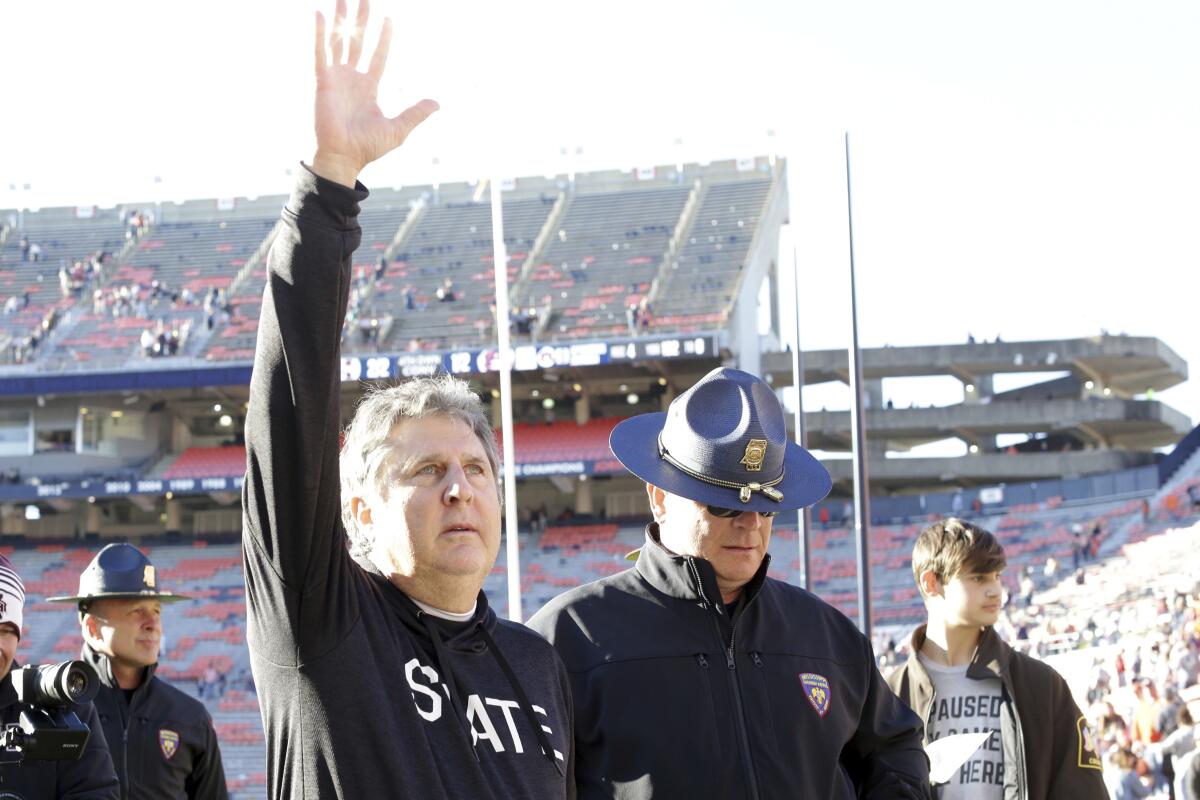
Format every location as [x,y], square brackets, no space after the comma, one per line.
[77,684]
[55,685]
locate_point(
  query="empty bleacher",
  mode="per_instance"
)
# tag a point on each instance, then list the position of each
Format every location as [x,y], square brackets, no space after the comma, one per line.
[208,462]
[700,288]
[536,443]
[454,242]
[604,258]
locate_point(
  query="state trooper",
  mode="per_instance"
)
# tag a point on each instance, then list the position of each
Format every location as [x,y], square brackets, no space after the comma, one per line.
[162,740]
[696,675]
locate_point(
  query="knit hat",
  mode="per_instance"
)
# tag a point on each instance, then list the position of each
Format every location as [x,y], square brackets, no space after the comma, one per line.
[12,595]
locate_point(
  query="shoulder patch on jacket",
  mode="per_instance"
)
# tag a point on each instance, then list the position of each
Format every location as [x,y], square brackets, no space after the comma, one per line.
[1088,752]
[169,742]
[816,689]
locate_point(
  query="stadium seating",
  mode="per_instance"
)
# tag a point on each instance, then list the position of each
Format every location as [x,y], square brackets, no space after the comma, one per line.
[535,444]
[454,242]
[606,255]
[208,462]
[63,239]
[562,441]
[699,290]
[607,248]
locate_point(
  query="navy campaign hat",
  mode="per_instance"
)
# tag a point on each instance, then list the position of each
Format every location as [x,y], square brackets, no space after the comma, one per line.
[724,443]
[118,571]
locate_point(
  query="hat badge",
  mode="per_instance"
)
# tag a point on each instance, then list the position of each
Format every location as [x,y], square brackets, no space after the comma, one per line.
[148,576]
[756,451]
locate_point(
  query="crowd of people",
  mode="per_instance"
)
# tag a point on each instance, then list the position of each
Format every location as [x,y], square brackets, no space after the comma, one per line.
[25,348]
[163,338]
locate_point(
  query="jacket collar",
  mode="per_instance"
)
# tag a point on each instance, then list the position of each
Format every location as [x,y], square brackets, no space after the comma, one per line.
[688,577]
[103,666]
[990,660]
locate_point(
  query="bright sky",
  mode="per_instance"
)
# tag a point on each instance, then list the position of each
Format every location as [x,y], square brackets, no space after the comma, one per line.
[1027,169]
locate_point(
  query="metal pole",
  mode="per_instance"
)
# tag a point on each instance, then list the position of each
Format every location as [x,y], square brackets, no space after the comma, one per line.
[858,440]
[804,521]
[513,549]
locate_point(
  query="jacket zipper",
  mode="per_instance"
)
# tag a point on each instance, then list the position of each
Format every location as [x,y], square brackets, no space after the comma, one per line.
[125,756]
[735,687]
[736,691]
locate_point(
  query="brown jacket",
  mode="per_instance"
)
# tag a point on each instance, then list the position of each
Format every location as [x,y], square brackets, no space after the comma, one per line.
[1049,752]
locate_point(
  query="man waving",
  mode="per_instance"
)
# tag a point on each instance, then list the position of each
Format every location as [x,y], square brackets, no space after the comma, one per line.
[381,670]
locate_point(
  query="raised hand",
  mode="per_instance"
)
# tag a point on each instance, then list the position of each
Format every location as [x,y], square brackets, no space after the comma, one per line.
[351,130]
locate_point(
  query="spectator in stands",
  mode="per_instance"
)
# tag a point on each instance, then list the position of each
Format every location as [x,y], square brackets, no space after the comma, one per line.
[207,685]
[1178,749]
[538,518]
[1100,681]
[162,741]
[1168,712]
[645,315]
[1039,738]
[24,246]
[89,776]
[700,577]
[381,670]
[1050,571]
[1079,546]
[445,292]
[1121,777]
[1145,716]
[1027,587]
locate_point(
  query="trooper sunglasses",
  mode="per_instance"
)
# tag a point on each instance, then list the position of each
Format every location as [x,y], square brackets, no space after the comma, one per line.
[730,513]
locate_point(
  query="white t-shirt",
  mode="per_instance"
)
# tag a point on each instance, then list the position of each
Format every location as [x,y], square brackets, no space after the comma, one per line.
[964,705]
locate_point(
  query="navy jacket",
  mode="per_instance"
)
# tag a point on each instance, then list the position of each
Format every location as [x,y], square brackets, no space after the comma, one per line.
[675,699]
[162,741]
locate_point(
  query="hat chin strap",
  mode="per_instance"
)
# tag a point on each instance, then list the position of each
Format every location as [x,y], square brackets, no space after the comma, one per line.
[745,490]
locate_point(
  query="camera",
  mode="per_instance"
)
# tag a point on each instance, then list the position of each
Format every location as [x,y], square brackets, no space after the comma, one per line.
[48,730]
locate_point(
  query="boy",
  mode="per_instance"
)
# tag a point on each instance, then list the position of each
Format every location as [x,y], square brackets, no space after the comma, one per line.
[961,678]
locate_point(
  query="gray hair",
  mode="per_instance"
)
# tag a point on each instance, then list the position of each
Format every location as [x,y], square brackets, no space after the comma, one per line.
[367,447]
